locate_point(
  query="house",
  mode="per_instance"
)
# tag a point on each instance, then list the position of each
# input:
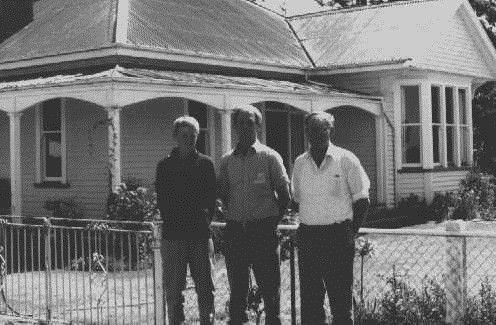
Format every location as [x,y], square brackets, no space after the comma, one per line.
[88,86]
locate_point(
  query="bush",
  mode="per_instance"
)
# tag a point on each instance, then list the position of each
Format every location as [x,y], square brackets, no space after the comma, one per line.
[132,202]
[402,304]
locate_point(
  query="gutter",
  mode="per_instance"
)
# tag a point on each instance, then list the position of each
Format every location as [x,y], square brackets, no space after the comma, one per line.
[124,50]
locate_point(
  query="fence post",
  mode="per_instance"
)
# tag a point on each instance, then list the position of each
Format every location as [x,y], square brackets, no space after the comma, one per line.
[456,280]
[160,308]
[293,279]
[48,267]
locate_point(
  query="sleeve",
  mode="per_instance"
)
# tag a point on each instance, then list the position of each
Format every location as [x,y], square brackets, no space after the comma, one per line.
[358,181]
[223,181]
[210,185]
[278,175]
[295,180]
[161,187]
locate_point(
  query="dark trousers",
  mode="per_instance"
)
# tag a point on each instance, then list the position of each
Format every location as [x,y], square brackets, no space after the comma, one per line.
[177,255]
[254,244]
[325,260]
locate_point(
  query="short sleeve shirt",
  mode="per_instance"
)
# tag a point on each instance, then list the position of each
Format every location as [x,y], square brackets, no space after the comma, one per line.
[326,193]
[248,182]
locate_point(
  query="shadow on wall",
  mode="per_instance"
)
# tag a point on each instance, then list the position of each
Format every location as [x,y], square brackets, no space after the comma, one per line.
[4,196]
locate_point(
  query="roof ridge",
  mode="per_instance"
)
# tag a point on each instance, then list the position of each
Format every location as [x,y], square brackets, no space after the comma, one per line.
[359,8]
[265,8]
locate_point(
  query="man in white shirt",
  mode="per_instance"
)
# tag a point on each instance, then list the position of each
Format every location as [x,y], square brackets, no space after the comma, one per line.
[332,190]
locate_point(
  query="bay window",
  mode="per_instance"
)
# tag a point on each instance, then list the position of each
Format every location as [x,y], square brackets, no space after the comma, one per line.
[447,108]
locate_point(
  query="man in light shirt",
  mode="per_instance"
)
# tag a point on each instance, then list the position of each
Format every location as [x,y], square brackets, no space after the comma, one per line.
[332,190]
[254,185]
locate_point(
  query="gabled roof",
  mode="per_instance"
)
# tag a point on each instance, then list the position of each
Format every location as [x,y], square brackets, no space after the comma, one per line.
[232,30]
[399,33]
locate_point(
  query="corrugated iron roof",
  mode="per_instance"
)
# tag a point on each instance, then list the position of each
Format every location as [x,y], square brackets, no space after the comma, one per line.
[176,78]
[227,28]
[372,35]
[62,26]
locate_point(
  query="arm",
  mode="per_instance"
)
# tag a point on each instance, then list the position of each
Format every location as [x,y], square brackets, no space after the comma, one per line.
[223,182]
[211,188]
[359,185]
[280,182]
[161,188]
[360,209]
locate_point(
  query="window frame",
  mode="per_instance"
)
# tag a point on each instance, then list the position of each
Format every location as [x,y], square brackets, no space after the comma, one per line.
[440,125]
[40,159]
[418,124]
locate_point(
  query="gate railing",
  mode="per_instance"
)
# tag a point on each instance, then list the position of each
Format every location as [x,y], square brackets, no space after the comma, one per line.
[84,271]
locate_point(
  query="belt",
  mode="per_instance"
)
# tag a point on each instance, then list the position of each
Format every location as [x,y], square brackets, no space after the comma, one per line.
[346,222]
[254,222]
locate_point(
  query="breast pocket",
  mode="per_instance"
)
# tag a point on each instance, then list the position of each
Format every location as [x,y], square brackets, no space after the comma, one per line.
[336,184]
[260,184]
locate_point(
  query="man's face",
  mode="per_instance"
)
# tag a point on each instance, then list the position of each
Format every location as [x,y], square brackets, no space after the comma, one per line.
[186,137]
[318,133]
[246,127]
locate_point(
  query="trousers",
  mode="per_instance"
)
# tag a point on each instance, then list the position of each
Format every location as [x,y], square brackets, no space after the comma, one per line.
[325,261]
[253,244]
[177,255]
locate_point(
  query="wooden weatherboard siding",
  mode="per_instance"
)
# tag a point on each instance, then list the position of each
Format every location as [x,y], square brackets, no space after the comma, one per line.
[447,181]
[87,147]
[359,138]
[410,183]
[147,137]
[456,50]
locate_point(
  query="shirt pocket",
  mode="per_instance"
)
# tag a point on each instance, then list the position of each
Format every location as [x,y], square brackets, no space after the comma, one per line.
[336,184]
[260,184]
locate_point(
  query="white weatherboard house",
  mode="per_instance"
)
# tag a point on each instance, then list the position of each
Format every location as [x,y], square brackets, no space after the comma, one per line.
[85,83]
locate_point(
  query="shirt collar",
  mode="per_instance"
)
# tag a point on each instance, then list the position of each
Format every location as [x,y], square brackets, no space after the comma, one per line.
[331,151]
[255,147]
[175,153]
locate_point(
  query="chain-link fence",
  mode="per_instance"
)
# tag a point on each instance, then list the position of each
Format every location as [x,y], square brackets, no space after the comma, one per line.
[402,276]
[109,273]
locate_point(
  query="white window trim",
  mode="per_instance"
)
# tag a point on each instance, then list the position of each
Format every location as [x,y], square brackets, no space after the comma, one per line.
[442,135]
[40,174]
[419,124]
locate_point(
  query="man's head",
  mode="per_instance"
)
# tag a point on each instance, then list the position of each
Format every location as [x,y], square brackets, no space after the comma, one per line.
[186,130]
[319,127]
[247,120]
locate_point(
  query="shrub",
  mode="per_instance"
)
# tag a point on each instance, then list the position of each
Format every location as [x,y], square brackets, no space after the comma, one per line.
[132,202]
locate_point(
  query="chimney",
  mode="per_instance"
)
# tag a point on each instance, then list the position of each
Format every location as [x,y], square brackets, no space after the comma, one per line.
[14,15]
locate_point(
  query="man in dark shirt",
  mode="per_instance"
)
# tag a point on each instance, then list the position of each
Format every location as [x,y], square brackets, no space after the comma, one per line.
[186,195]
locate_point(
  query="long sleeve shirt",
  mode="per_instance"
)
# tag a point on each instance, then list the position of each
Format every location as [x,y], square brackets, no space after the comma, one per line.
[186,190]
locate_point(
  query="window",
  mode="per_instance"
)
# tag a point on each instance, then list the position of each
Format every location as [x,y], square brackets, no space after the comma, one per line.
[284,131]
[410,125]
[464,128]
[451,132]
[436,125]
[201,113]
[51,153]
[450,126]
